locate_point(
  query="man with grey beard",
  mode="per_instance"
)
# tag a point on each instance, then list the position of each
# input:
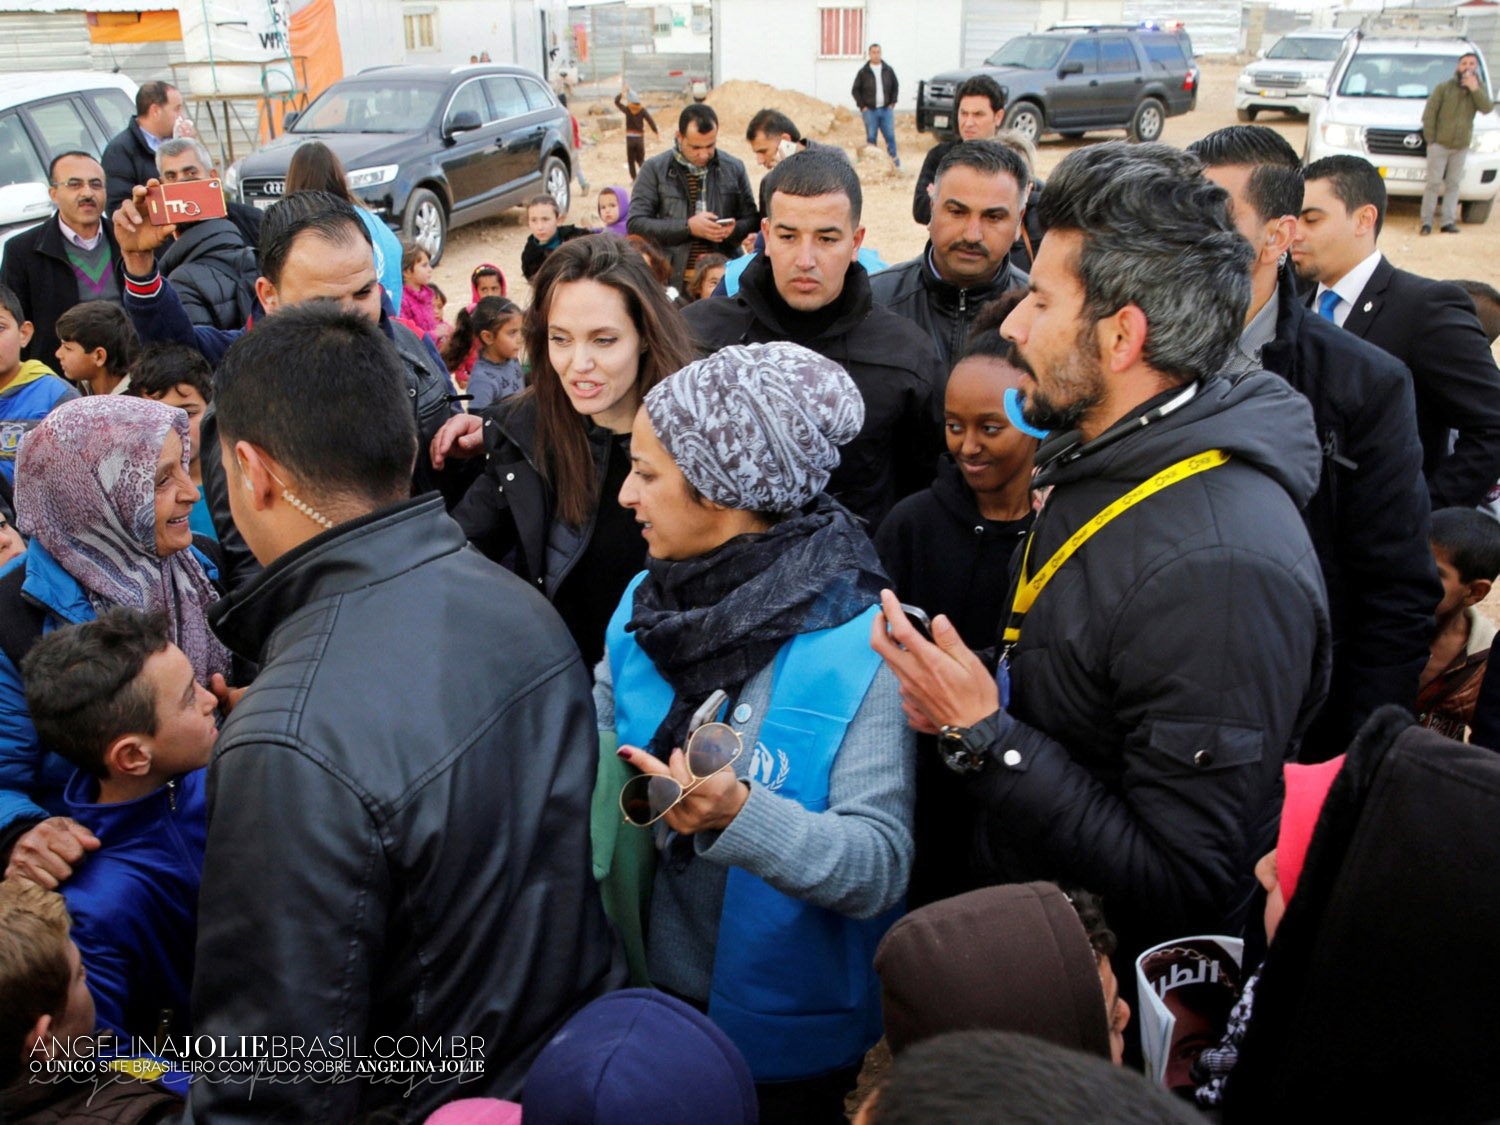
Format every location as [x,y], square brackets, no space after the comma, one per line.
[1169,636]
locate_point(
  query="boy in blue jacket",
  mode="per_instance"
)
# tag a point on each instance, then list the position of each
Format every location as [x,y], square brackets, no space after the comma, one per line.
[28,391]
[118,700]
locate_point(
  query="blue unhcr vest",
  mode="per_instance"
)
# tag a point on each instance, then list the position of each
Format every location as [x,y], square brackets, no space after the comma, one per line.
[794,984]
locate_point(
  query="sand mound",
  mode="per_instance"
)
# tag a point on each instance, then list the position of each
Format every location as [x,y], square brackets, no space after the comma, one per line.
[738,101]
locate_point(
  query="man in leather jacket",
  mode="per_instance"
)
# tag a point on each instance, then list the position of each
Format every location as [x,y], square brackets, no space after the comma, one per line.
[397,847]
[313,245]
[977,208]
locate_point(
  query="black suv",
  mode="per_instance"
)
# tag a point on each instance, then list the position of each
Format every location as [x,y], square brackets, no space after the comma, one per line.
[428,148]
[1070,80]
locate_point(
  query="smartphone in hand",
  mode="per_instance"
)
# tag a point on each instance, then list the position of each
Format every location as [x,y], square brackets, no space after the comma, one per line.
[190,202]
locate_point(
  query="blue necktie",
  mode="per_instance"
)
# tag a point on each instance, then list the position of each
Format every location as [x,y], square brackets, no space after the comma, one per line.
[1327,303]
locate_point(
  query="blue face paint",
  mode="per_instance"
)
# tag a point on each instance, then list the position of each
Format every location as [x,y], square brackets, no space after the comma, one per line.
[1013,413]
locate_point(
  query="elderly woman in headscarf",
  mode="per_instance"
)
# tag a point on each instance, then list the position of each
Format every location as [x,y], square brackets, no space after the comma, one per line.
[103,493]
[776,767]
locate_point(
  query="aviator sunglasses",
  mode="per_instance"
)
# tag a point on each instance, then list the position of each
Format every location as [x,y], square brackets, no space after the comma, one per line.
[712,748]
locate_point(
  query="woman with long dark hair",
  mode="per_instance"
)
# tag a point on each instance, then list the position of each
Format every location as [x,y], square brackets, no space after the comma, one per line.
[316,167]
[600,333]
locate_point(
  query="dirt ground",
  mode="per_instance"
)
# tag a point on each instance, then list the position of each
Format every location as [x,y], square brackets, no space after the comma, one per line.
[887,211]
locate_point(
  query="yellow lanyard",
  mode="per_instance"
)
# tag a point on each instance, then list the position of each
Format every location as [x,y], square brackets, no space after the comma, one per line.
[1028,588]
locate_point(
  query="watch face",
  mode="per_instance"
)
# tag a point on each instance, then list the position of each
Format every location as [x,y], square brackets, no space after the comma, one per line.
[958,755]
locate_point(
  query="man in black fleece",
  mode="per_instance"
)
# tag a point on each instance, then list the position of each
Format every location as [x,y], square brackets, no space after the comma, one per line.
[808,288]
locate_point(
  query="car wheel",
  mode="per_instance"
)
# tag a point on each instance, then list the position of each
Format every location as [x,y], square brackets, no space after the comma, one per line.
[1477,211]
[1147,122]
[1246,115]
[555,182]
[426,224]
[1025,118]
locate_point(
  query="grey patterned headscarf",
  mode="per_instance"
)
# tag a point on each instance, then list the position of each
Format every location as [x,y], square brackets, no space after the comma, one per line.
[757,426]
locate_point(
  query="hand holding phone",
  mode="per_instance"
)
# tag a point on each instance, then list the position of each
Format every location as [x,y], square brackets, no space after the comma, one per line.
[919,620]
[190,202]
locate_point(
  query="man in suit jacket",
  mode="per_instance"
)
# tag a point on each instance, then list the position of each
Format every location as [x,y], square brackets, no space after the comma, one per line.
[1428,325]
[1369,518]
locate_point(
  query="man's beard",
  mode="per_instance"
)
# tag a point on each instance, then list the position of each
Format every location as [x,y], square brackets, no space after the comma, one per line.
[1078,374]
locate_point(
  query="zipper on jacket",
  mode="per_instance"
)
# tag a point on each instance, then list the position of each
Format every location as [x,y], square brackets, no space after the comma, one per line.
[955,345]
[1331,451]
[172,794]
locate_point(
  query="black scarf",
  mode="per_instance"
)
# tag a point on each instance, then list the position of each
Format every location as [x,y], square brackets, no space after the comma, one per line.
[711,622]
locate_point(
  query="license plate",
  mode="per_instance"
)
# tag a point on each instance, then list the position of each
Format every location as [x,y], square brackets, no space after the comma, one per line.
[1403,173]
[940,121]
[265,204]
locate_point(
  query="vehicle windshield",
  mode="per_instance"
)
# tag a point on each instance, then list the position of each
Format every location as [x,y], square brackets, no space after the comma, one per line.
[1306,50]
[1029,52]
[1397,76]
[370,107]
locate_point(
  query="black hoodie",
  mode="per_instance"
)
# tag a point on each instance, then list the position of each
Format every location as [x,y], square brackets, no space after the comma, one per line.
[1168,669]
[890,359]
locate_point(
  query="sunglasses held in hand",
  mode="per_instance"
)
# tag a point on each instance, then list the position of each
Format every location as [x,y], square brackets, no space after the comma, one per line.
[712,748]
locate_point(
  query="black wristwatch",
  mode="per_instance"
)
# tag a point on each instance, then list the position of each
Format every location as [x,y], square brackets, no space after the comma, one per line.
[967,749]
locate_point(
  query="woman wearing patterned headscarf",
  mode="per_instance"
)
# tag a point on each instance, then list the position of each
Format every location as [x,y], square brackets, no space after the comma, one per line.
[103,493]
[776,876]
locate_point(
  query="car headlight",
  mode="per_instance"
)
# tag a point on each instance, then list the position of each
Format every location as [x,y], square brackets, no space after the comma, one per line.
[232,180]
[1487,142]
[371,177]
[1341,136]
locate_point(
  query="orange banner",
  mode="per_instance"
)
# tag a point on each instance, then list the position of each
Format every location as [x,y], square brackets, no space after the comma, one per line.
[134,27]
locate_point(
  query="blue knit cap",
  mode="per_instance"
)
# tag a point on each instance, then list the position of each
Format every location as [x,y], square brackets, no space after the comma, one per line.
[638,1056]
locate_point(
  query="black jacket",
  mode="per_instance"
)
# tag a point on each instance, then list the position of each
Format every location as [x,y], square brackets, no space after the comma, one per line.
[509,513]
[398,819]
[128,161]
[863,89]
[1430,326]
[890,360]
[36,269]
[1023,253]
[944,557]
[945,312]
[213,272]
[1368,519]
[1166,672]
[533,254]
[248,220]
[1375,1002]
[659,207]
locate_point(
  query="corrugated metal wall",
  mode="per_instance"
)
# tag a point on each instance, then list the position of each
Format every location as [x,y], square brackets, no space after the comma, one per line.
[44,41]
[989,24]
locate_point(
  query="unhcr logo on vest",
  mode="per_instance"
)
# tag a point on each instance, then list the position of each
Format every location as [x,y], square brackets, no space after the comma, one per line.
[769,770]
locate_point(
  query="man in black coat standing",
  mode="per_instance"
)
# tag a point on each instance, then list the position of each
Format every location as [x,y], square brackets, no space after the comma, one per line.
[381,867]
[980,200]
[808,288]
[1168,638]
[1368,520]
[130,157]
[1428,325]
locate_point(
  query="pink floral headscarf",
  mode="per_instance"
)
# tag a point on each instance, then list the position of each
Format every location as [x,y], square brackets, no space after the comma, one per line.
[86,490]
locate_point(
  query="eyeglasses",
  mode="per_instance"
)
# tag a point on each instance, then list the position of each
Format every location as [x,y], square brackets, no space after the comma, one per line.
[76,184]
[711,749]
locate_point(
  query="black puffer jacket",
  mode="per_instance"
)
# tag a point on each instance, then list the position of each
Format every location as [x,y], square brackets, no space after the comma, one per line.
[890,360]
[1368,520]
[213,272]
[1375,1001]
[1165,673]
[399,819]
[945,312]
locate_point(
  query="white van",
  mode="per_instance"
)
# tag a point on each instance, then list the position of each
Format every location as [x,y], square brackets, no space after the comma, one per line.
[1373,108]
[44,113]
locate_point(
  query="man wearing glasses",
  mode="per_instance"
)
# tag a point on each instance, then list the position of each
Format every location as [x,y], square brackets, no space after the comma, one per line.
[68,258]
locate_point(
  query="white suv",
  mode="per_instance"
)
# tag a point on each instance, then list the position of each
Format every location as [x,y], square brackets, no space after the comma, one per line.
[49,112]
[1373,108]
[1287,76]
